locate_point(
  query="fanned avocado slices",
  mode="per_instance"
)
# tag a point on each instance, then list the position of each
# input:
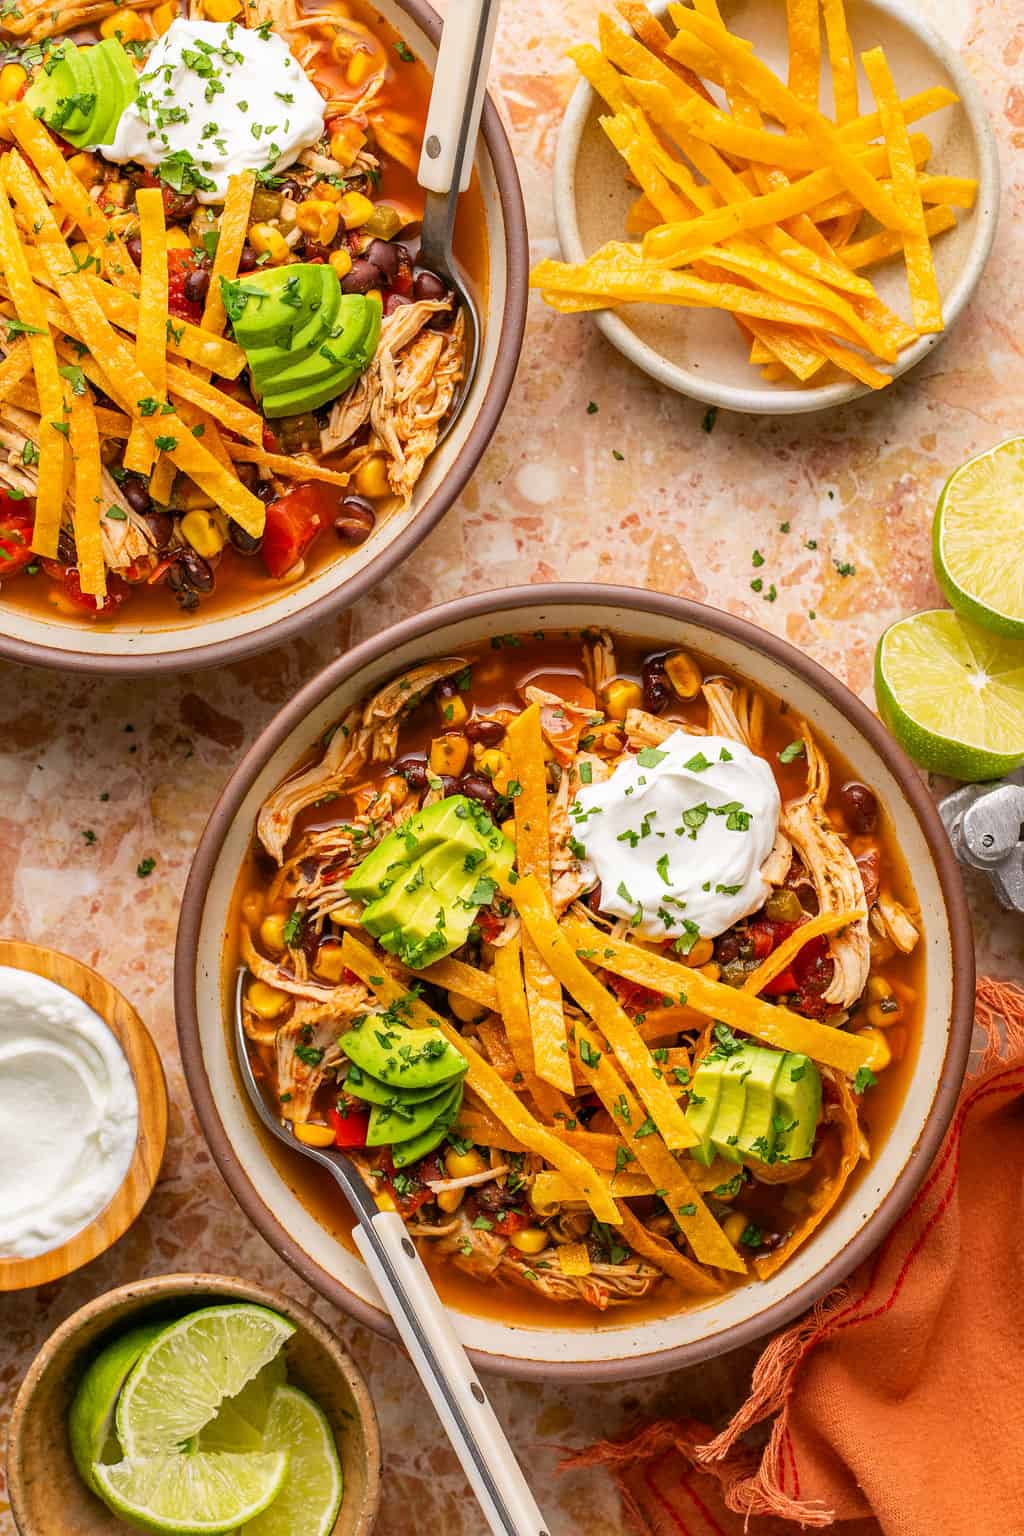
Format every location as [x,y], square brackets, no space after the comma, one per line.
[81,93]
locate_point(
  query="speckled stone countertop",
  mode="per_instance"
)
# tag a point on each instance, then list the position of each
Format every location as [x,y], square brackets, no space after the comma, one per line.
[96,776]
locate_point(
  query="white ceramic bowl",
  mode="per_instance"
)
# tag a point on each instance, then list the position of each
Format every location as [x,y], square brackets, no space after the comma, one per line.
[606,1349]
[701,352]
[190,640]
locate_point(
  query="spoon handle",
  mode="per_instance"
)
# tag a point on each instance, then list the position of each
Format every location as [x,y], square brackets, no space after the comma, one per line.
[457,97]
[452,1385]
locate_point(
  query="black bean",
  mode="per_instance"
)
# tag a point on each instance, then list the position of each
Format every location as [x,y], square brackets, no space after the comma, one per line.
[197,286]
[386,256]
[427,285]
[487,732]
[657,689]
[67,554]
[186,598]
[475,787]
[136,494]
[161,527]
[134,248]
[355,521]
[247,260]
[244,543]
[414,772]
[362,277]
[859,806]
[190,570]
[449,784]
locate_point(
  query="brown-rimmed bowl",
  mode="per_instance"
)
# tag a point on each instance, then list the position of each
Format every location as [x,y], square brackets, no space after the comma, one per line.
[605,1350]
[45,1491]
[192,641]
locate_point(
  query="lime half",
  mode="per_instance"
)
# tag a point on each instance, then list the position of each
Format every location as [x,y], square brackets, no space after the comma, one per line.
[241,1420]
[308,1503]
[91,1419]
[979,538]
[198,1492]
[952,694]
[182,1378]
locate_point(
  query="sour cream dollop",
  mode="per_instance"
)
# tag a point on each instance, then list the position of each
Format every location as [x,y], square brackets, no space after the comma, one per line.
[677,836]
[68,1114]
[216,98]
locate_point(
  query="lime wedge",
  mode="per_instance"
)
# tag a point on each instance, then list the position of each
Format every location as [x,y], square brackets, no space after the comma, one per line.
[952,694]
[308,1503]
[241,1420]
[182,1378]
[201,1492]
[91,1418]
[979,538]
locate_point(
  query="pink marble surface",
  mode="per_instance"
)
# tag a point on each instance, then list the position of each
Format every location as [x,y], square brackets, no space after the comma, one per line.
[681,512]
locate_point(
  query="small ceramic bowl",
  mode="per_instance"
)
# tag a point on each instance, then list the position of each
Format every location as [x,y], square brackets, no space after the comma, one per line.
[45,1491]
[701,352]
[606,1350]
[141,1054]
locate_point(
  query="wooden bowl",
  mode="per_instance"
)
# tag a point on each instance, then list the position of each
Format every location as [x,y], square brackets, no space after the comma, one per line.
[45,1491]
[132,1035]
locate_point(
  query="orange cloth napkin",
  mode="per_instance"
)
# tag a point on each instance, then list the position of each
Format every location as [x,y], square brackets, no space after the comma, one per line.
[897,1406]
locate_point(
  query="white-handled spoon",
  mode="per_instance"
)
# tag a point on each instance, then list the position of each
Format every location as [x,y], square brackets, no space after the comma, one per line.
[407,1291]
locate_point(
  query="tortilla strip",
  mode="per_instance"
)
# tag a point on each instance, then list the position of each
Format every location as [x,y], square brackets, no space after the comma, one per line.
[524,744]
[600,74]
[780,958]
[151,334]
[466,980]
[85,454]
[234,222]
[875,248]
[682,1198]
[510,1002]
[598,1148]
[550,1189]
[122,379]
[852,363]
[659,1251]
[290,467]
[15,366]
[71,195]
[487,1084]
[842,62]
[607,1013]
[771,1023]
[30,308]
[804,33]
[925,301]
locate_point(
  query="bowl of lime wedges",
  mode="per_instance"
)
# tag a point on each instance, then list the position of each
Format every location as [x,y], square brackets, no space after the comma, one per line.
[193,1404]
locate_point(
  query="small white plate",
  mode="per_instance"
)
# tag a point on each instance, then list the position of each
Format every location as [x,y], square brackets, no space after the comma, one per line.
[701,352]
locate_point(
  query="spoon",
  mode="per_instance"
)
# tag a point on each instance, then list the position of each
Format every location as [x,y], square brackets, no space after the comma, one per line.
[407,1291]
[446,163]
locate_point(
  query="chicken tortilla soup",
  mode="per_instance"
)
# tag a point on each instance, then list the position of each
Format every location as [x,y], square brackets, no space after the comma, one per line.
[598,964]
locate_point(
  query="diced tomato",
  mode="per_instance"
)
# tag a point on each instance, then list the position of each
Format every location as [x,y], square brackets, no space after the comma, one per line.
[762,936]
[350,1129]
[180,266]
[489,923]
[408,1201]
[633,997]
[67,577]
[293,522]
[16,520]
[270,443]
[507,1222]
[784,982]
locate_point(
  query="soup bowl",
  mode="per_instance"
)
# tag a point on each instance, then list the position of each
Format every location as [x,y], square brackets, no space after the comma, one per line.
[604,1349]
[255,622]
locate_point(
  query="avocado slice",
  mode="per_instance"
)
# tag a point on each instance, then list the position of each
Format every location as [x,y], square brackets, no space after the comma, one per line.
[448,821]
[372,1091]
[63,93]
[732,1105]
[313,326]
[409,1152]
[798,1105]
[392,1124]
[400,1057]
[268,306]
[445,909]
[758,1129]
[117,85]
[705,1089]
[337,363]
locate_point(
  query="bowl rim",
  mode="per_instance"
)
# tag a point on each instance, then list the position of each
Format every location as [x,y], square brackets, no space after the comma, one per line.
[273,632]
[755,400]
[182,1283]
[641,602]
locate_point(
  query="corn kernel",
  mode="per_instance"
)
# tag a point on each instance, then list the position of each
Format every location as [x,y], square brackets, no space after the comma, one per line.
[268,241]
[222,10]
[621,696]
[86,167]
[12,78]
[530,1240]
[163,16]
[319,219]
[396,788]
[881,1055]
[341,261]
[464,1008]
[449,754]
[684,675]
[453,710]
[252,907]
[375,293]
[272,932]
[495,763]
[449,1200]
[126,25]
[509,827]
[734,1226]
[266,1001]
[115,194]
[313,1135]
[355,209]
[177,239]
[459,1165]
[206,532]
[329,964]
[371,478]
[360,67]
[346,142]
[700,954]
[384,1200]
[877,988]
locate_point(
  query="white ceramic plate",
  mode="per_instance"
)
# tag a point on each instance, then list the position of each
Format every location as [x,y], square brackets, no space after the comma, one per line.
[701,352]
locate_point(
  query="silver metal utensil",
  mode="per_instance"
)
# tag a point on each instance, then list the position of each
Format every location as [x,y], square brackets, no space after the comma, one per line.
[985,823]
[408,1293]
[446,163]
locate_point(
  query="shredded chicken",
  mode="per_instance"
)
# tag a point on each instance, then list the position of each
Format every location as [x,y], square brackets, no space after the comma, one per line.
[477,1251]
[890,918]
[834,874]
[570,877]
[598,660]
[606,1285]
[345,999]
[646,730]
[303,1055]
[734,714]
[562,722]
